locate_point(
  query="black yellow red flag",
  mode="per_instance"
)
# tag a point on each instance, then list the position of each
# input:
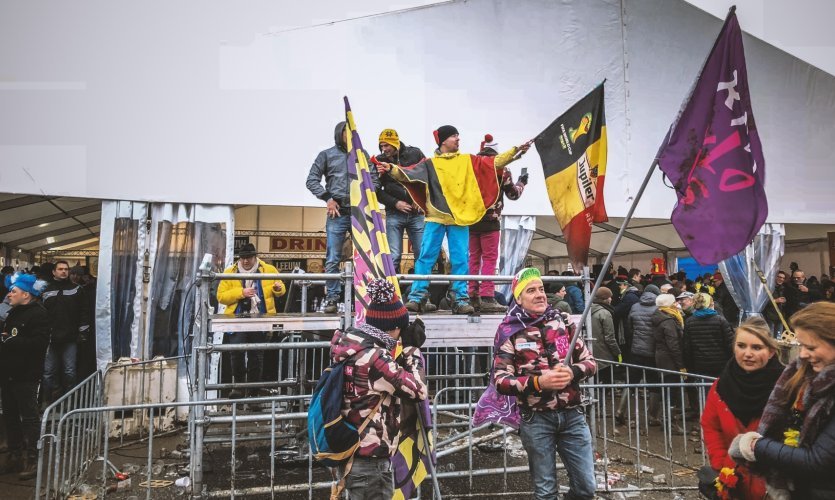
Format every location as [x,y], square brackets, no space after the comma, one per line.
[573,154]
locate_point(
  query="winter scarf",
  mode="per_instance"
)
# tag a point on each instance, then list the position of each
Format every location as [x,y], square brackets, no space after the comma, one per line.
[705,313]
[518,319]
[673,311]
[255,300]
[818,400]
[377,334]
[746,393]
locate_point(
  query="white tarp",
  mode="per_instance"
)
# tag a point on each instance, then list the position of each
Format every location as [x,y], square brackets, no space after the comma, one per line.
[162,104]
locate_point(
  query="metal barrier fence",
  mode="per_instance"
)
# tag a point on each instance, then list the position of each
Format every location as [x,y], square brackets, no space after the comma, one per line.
[60,472]
[263,451]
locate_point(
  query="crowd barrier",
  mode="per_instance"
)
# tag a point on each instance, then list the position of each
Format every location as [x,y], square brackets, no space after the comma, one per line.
[257,446]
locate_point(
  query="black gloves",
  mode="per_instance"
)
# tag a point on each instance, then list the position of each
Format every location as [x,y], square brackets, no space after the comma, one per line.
[524,178]
[414,335]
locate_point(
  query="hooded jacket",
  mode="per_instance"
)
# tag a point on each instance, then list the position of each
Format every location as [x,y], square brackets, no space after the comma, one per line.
[391,191]
[603,330]
[332,164]
[621,314]
[24,347]
[640,323]
[372,373]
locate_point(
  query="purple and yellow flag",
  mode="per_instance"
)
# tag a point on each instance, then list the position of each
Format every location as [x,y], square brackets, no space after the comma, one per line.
[713,156]
[372,260]
[372,257]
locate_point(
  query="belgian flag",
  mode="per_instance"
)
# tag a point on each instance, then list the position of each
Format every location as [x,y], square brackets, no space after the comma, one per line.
[573,154]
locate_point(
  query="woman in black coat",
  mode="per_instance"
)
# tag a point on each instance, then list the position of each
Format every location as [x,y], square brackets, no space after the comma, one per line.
[708,338]
[795,443]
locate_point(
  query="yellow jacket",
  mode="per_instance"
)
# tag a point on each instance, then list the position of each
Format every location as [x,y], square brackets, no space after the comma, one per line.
[229,292]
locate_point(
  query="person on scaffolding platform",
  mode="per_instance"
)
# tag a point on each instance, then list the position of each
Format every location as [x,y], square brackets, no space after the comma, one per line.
[376,380]
[245,297]
[24,339]
[454,190]
[534,340]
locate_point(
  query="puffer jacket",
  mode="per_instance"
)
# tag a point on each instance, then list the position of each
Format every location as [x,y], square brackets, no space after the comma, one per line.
[640,323]
[708,343]
[67,314]
[574,297]
[668,334]
[24,343]
[603,331]
[231,292]
[372,373]
[391,191]
[332,164]
[621,315]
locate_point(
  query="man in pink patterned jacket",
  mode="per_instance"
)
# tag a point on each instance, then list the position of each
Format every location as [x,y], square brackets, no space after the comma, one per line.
[530,364]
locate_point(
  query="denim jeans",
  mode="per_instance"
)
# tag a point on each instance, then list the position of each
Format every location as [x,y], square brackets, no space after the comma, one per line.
[59,371]
[20,415]
[370,479]
[566,431]
[396,223]
[336,229]
[458,238]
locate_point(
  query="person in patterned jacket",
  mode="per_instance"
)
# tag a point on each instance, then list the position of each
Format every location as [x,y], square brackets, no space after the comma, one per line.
[377,378]
[529,364]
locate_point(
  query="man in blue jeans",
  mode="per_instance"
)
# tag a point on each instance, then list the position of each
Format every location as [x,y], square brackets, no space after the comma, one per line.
[332,164]
[532,342]
[402,213]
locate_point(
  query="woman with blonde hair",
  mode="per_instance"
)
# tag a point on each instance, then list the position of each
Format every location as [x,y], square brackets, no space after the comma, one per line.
[734,406]
[795,442]
[708,338]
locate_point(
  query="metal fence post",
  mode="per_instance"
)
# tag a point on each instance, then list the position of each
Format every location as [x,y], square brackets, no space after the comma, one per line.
[348,289]
[199,358]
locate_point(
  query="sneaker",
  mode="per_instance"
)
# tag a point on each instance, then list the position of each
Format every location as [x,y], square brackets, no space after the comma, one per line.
[462,307]
[412,306]
[330,307]
[489,305]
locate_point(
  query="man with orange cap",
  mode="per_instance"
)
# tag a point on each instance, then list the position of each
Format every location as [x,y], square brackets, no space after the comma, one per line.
[402,213]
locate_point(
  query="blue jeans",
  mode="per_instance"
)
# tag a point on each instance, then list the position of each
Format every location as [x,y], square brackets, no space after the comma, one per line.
[336,230]
[567,432]
[396,223]
[59,371]
[458,238]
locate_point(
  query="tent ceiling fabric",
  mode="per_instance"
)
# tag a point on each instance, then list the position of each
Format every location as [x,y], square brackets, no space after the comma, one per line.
[27,221]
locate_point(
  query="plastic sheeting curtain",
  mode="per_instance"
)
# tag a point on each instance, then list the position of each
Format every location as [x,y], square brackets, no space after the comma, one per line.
[123,285]
[517,234]
[179,251]
[740,271]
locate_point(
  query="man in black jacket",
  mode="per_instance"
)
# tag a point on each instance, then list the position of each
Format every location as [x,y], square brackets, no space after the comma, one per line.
[24,339]
[68,319]
[402,214]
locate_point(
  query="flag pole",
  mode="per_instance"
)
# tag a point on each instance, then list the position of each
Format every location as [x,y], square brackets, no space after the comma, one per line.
[422,424]
[599,281]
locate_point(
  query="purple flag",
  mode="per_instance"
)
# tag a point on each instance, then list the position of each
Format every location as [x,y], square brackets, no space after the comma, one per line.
[713,156]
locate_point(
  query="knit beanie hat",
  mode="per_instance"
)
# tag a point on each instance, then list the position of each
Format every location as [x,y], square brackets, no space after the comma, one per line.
[386,310]
[28,283]
[522,279]
[389,136]
[603,293]
[488,143]
[665,300]
[443,133]
[652,289]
